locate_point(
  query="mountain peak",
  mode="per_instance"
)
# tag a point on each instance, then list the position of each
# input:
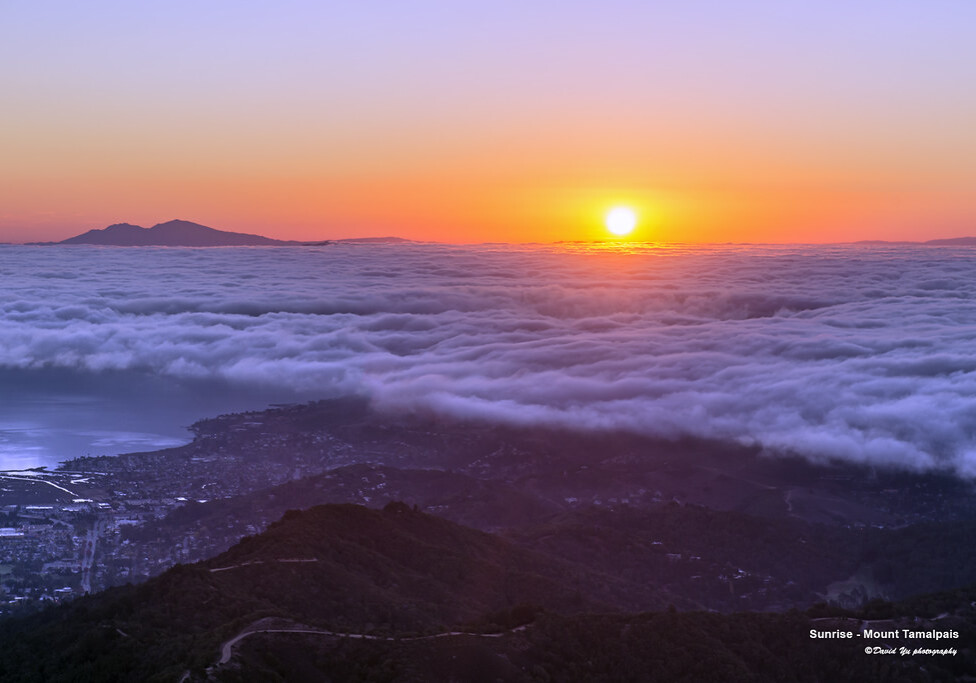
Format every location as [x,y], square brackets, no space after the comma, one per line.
[178,223]
[174,233]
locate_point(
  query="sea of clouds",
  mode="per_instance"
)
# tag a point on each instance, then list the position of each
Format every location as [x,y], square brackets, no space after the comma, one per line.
[859,353]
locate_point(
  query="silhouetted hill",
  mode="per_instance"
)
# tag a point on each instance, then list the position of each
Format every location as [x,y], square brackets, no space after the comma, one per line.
[948,242]
[174,233]
[434,572]
[700,558]
[374,240]
[338,567]
[178,233]
[339,592]
[693,647]
[954,241]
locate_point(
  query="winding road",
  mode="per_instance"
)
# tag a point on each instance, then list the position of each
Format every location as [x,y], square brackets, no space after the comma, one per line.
[227,649]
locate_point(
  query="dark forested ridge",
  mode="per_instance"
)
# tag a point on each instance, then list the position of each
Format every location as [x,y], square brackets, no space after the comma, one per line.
[693,647]
[699,558]
[400,575]
[339,567]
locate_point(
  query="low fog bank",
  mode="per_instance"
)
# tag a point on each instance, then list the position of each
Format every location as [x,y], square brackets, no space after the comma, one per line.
[863,354]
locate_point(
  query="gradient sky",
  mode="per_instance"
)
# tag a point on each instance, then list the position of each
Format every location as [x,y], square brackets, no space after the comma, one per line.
[773,120]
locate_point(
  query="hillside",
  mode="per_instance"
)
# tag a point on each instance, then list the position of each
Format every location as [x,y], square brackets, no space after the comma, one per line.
[339,567]
[693,647]
[179,233]
[175,233]
[430,600]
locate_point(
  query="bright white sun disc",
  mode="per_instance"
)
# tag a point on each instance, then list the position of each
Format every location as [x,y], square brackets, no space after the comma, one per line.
[621,220]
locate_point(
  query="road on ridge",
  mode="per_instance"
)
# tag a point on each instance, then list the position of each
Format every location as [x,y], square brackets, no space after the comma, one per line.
[227,649]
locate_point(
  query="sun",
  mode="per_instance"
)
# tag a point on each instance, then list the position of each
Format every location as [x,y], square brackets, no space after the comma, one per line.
[620,220]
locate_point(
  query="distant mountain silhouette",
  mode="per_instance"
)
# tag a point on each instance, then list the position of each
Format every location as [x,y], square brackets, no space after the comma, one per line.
[374,240]
[175,233]
[179,233]
[954,242]
[950,242]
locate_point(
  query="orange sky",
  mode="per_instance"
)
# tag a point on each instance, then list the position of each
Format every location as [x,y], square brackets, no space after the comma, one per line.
[486,123]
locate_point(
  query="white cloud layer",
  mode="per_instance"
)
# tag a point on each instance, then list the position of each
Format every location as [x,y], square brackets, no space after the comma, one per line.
[866,354]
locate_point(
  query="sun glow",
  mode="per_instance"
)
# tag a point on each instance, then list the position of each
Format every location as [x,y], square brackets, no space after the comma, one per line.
[620,220]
